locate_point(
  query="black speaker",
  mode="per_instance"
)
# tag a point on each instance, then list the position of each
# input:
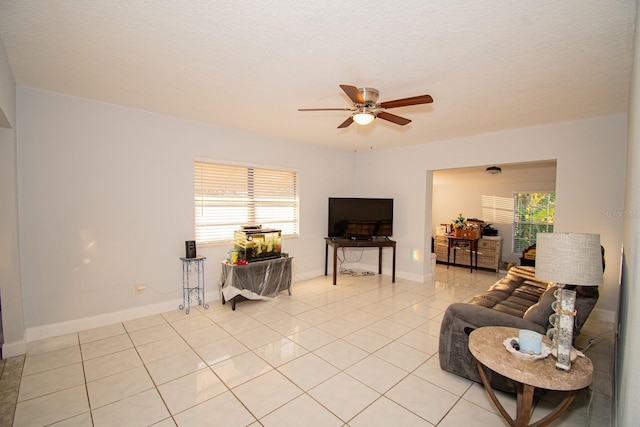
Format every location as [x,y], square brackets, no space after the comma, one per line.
[190,246]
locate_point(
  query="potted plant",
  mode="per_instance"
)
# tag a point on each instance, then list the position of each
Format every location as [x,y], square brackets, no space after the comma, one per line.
[459,225]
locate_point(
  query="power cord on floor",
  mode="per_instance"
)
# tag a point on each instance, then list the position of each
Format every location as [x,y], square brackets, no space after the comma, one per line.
[349,271]
[591,391]
[596,338]
[356,273]
[344,257]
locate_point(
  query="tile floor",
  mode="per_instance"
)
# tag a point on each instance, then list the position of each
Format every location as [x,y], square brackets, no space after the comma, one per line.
[362,353]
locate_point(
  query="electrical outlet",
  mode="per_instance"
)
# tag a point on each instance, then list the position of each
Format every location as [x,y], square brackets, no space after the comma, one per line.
[139,288]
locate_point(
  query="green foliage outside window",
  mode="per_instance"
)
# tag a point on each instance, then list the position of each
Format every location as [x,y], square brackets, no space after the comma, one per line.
[533,213]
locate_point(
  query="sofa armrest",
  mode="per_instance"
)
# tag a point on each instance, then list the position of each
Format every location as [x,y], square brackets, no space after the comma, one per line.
[458,322]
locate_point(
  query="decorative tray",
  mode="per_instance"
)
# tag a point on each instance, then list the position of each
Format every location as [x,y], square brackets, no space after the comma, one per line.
[546,351]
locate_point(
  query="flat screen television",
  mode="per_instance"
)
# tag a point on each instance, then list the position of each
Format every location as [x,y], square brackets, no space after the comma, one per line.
[360,218]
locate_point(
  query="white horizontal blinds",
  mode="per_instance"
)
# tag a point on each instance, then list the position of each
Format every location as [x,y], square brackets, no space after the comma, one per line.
[228,197]
[275,199]
[221,196]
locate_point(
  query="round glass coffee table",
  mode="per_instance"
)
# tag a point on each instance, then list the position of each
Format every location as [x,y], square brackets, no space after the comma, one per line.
[486,345]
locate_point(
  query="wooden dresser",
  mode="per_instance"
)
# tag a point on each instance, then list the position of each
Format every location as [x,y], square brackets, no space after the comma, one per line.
[489,251]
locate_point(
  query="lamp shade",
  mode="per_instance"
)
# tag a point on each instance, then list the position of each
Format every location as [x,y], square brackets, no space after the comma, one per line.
[363,118]
[569,258]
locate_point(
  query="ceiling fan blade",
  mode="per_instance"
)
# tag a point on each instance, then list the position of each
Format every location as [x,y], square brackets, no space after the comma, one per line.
[346,123]
[393,118]
[353,93]
[405,102]
[325,109]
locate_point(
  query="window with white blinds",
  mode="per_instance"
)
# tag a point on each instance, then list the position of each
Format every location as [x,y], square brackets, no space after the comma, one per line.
[229,196]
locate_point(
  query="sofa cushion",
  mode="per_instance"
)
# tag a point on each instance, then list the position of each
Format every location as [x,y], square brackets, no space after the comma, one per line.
[514,293]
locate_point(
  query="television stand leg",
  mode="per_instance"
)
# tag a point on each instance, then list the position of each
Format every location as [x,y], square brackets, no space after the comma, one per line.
[326,257]
[335,266]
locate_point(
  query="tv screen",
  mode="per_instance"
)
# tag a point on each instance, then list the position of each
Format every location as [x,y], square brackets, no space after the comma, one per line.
[360,218]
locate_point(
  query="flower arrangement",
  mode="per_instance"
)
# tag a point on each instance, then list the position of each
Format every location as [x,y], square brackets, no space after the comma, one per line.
[460,222]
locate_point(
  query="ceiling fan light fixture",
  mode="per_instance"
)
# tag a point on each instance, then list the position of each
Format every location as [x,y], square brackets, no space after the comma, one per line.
[366,107]
[363,118]
[493,170]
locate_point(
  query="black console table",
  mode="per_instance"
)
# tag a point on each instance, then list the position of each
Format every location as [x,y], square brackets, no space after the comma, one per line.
[463,242]
[349,243]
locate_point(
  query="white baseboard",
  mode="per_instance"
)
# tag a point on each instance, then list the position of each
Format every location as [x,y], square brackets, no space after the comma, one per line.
[418,278]
[16,348]
[77,325]
[310,275]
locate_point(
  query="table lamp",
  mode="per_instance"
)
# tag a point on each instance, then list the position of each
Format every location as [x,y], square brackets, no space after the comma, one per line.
[567,259]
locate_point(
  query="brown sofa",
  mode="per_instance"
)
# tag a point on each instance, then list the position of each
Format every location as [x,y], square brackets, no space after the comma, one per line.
[518,300]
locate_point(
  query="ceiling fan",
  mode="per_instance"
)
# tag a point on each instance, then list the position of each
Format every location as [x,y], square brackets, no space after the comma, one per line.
[366,107]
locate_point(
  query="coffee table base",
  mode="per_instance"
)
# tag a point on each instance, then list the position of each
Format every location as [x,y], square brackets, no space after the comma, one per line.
[525,403]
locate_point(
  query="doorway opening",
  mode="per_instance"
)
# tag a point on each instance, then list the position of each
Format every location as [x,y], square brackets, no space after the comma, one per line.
[488,197]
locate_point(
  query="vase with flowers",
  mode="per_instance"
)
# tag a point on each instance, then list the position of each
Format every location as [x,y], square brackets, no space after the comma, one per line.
[459,224]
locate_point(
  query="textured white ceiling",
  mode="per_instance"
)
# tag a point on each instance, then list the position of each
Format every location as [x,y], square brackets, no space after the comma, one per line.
[489,65]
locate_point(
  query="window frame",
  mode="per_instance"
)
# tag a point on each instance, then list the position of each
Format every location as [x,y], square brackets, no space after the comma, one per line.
[535,227]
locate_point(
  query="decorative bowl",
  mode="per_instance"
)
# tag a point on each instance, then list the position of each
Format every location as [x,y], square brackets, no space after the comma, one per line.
[546,351]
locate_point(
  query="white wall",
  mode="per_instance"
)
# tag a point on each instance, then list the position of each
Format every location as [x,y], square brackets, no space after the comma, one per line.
[7,92]
[476,194]
[106,201]
[589,183]
[627,384]
[10,287]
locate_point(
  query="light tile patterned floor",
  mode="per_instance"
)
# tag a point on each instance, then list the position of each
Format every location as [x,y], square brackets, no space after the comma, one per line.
[362,353]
